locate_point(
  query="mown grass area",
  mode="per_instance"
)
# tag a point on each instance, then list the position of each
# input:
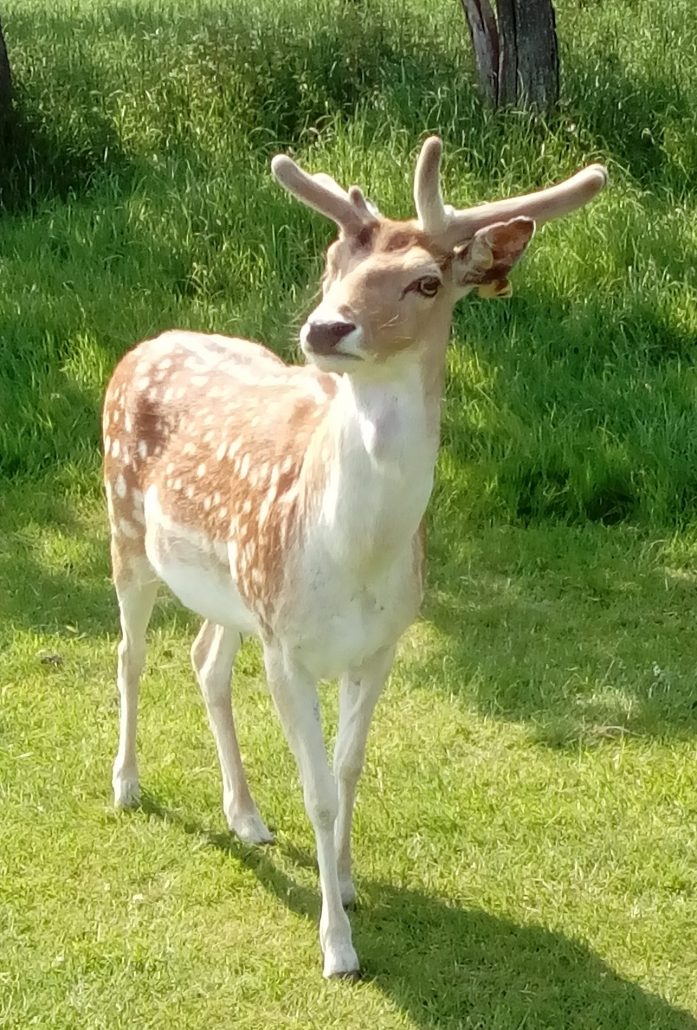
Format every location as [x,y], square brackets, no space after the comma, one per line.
[526,831]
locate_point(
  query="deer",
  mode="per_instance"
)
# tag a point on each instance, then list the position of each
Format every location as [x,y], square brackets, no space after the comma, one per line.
[288,501]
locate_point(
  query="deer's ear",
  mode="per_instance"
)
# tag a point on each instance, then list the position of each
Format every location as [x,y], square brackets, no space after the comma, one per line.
[488,257]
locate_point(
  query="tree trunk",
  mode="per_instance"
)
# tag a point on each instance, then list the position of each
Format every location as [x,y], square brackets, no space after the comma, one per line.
[5,78]
[517,58]
[485,43]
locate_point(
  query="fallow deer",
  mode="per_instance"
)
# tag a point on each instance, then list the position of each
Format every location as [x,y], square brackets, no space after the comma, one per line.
[288,502]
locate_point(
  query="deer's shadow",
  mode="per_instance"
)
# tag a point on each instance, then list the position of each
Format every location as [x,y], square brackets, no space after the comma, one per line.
[446,965]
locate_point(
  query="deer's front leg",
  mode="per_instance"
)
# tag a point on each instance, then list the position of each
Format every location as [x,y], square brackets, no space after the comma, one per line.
[359,691]
[295,696]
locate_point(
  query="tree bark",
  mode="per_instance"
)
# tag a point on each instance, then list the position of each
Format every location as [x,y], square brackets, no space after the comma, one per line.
[484,34]
[519,55]
[529,66]
[5,80]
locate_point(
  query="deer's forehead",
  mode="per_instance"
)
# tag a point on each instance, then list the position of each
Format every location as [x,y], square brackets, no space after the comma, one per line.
[396,255]
[387,237]
[400,264]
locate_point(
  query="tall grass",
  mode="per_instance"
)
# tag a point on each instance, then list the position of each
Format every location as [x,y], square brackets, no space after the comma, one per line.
[138,197]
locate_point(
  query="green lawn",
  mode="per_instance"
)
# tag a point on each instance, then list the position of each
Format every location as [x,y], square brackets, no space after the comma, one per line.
[526,832]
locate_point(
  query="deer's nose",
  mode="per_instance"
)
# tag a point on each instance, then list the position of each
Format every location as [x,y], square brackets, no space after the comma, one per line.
[323,337]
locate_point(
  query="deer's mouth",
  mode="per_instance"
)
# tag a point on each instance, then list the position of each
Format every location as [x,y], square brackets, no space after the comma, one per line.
[337,338]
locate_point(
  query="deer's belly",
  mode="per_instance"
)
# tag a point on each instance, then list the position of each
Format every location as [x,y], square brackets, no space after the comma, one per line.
[197,574]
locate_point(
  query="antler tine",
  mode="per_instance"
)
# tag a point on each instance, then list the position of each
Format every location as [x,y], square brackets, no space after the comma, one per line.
[432,213]
[354,195]
[318,191]
[358,200]
[541,206]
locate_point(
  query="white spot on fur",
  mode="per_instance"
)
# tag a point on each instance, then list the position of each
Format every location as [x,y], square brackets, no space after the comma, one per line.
[266,506]
[120,485]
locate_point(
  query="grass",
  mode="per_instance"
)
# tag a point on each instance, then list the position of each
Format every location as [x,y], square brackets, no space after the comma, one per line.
[526,832]
[141,198]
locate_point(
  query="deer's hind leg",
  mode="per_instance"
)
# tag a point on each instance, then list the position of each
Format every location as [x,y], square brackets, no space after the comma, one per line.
[212,656]
[136,589]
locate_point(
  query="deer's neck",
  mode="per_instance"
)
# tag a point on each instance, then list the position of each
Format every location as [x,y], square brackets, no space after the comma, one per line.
[378,448]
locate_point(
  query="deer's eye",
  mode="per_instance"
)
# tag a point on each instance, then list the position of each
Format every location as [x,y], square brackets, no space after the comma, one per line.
[428,286]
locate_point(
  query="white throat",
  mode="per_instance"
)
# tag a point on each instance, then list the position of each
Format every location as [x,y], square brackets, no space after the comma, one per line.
[382,465]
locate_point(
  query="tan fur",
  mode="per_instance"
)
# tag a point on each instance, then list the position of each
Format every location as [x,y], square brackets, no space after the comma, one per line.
[180,426]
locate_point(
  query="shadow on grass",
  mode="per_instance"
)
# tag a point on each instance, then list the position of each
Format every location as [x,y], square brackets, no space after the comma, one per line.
[581,634]
[448,966]
[638,119]
[39,160]
[55,571]
[53,566]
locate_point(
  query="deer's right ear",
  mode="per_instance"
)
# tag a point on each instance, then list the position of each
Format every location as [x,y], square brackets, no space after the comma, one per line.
[486,260]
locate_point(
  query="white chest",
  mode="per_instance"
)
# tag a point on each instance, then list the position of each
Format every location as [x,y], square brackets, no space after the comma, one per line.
[337,622]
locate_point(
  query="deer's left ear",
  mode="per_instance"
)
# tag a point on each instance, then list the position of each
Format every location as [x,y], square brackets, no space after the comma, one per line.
[489,256]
